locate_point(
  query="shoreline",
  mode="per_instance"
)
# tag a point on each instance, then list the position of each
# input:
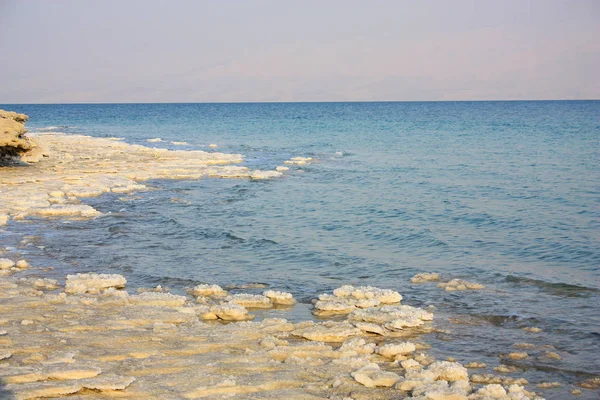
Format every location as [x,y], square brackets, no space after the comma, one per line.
[103,342]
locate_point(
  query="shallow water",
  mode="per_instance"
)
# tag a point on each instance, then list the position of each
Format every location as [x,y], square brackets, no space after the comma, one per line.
[501,193]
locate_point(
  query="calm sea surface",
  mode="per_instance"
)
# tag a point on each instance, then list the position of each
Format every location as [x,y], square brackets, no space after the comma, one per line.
[501,193]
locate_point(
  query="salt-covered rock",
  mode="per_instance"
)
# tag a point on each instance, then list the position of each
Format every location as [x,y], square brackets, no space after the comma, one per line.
[371,376]
[393,317]
[532,329]
[393,349]
[6,264]
[410,364]
[440,390]
[475,364]
[494,391]
[332,307]
[70,210]
[41,283]
[260,175]
[507,369]
[157,299]
[425,277]
[280,298]
[108,382]
[298,160]
[448,371]
[250,300]
[329,331]
[385,296]
[518,355]
[357,345]
[370,328]
[93,283]
[208,291]
[548,385]
[231,312]
[459,284]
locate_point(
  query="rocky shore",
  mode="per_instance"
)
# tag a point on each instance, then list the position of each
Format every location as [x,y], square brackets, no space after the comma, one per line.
[86,337]
[14,144]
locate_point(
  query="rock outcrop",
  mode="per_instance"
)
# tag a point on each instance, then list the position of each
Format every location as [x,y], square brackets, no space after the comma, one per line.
[13,142]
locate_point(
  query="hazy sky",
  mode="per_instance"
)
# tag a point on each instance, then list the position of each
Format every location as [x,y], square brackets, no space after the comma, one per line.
[61,51]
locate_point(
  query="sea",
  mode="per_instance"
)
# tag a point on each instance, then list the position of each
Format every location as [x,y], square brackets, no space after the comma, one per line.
[501,193]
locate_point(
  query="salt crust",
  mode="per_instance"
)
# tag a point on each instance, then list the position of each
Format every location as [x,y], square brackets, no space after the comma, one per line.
[425,277]
[298,160]
[93,283]
[392,317]
[208,291]
[329,331]
[250,300]
[258,174]
[80,166]
[231,312]
[371,376]
[393,349]
[167,340]
[459,284]
[347,298]
[157,299]
[280,298]
[5,263]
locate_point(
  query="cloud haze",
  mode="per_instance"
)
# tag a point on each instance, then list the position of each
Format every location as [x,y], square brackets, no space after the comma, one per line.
[219,51]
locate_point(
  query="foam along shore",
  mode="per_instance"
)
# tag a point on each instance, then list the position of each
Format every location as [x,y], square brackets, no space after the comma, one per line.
[76,166]
[91,338]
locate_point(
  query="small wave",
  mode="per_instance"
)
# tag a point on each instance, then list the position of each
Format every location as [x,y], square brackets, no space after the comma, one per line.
[251,285]
[506,319]
[54,128]
[556,289]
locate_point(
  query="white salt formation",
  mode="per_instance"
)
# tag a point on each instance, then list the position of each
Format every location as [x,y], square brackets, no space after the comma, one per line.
[101,342]
[93,283]
[250,300]
[280,298]
[231,312]
[425,277]
[459,284]
[298,160]
[208,291]
[393,349]
[258,174]
[157,299]
[76,167]
[5,263]
[348,298]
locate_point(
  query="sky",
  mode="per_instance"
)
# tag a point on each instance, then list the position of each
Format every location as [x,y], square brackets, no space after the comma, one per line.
[129,51]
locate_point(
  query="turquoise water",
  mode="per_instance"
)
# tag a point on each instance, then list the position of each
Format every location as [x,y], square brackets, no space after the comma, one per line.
[500,193]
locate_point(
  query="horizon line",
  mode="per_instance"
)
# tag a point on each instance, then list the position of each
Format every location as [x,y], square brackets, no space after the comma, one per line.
[307,102]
